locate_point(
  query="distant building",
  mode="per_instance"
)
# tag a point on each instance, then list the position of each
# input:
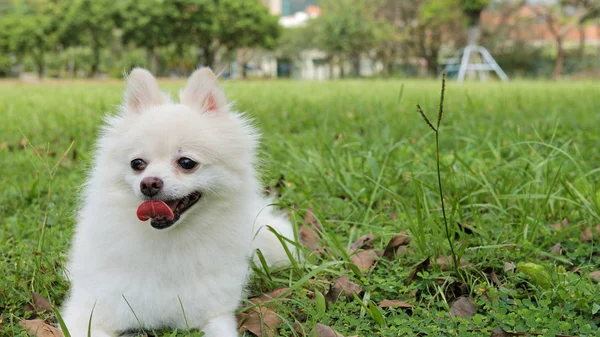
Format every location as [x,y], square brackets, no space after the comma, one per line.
[289,7]
[274,6]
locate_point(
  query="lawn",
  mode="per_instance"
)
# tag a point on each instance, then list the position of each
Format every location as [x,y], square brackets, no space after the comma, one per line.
[519,165]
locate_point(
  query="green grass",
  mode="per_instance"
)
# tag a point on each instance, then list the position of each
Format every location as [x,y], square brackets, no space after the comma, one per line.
[515,159]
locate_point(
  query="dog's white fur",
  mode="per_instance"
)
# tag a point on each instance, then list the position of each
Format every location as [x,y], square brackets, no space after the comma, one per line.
[189,275]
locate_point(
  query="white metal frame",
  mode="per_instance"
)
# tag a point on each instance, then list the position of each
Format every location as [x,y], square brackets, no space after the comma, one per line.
[488,64]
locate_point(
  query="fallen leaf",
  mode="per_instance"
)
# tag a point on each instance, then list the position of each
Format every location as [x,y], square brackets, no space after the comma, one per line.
[499,332]
[463,307]
[343,287]
[394,216]
[492,275]
[587,234]
[556,249]
[364,242]
[309,238]
[561,225]
[260,320]
[270,295]
[40,304]
[595,275]
[39,328]
[300,329]
[395,304]
[400,239]
[364,260]
[445,262]
[423,265]
[326,331]
[310,219]
[509,266]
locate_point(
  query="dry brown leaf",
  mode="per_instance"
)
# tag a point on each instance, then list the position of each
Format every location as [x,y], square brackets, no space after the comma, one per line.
[310,219]
[509,266]
[364,260]
[394,216]
[364,242]
[463,307]
[40,304]
[423,265]
[400,239]
[39,328]
[270,295]
[260,320]
[499,332]
[326,331]
[595,275]
[395,304]
[587,234]
[556,249]
[561,225]
[445,262]
[309,238]
[343,287]
[492,275]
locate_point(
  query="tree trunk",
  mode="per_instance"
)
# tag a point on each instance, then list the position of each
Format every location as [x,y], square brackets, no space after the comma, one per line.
[432,64]
[356,66]
[154,61]
[71,66]
[95,60]
[560,58]
[41,66]
[342,63]
[207,57]
[581,50]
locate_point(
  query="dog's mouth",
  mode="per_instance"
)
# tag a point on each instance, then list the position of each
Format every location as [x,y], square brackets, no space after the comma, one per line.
[164,213]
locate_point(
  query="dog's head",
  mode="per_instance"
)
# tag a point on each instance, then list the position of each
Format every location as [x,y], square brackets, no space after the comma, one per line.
[172,157]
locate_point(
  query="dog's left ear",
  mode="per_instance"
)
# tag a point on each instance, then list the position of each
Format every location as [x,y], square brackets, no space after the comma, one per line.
[202,92]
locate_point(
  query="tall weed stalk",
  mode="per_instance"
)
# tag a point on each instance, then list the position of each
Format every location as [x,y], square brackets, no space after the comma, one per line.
[436,129]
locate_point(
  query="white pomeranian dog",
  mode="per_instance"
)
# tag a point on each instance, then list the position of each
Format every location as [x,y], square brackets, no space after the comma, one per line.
[171,214]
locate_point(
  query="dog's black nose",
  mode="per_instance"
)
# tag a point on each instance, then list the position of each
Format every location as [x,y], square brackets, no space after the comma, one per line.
[150,186]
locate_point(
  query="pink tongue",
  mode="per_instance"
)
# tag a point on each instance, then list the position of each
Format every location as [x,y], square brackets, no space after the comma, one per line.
[154,209]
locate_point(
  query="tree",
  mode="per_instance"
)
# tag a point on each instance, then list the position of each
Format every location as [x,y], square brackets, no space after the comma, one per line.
[437,23]
[293,41]
[347,30]
[87,22]
[237,24]
[32,30]
[560,18]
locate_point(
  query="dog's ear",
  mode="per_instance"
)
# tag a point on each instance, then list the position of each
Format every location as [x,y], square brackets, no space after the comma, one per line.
[202,92]
[142,91]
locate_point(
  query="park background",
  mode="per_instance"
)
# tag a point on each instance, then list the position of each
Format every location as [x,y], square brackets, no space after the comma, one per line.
[484,222]
[302,39]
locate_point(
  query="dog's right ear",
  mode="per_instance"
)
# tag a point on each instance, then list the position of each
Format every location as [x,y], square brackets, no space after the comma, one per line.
[142,91]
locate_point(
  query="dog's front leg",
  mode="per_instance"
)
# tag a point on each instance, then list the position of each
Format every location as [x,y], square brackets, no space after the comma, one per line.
[222,326]
[77,319]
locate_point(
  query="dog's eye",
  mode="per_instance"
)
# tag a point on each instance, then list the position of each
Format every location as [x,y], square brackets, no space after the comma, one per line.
[138,164]
[186,163]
